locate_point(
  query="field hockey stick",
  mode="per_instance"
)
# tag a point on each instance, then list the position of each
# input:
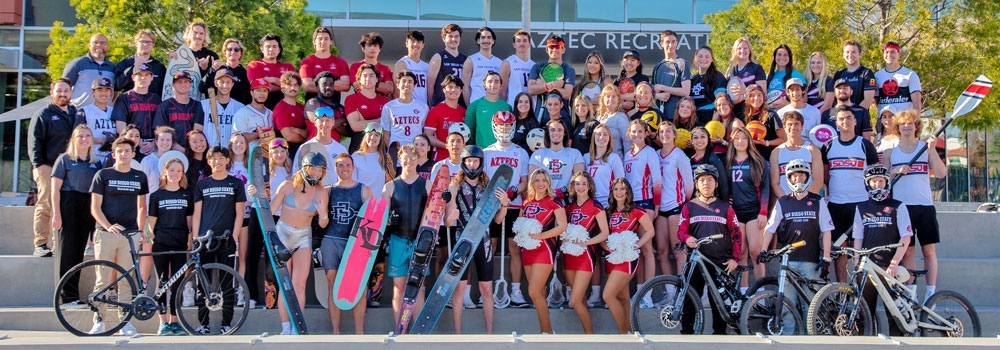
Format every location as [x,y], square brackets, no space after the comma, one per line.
[501,298]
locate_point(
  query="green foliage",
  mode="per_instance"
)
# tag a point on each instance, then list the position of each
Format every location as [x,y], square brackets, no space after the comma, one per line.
[947,42]
[246,20]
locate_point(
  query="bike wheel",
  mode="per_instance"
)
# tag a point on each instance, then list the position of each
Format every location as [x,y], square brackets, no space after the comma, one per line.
[955,308]
[759,314]
[664,292]
[827,314]
[763,284]
[216,289]
[83,298]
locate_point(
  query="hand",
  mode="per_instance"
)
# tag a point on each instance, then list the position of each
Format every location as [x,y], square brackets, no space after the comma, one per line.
[216,64]
[689,144]
[116,229]
[173,55]
[760,142]
[691,242]
[893,270]
[761,222]
[717,140]
[558,84]
[502,196]
[731,265]
[903,170]
[453,213]
[146,147]
[204,62]
[512,192]
[931,142]
[57,222]
[393,218]
[823,268]
[251,190]
[762,257]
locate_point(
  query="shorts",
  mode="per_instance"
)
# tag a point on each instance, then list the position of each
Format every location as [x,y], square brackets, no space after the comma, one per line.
[675,211]
[628,267]
[923,218]
[508,221]
[400,250]
[294,237]
[483,260]
[246,222]
[544,254]
[646,204]
[332,252]
[584,262]
[445,235]
[745,216]
[843,220]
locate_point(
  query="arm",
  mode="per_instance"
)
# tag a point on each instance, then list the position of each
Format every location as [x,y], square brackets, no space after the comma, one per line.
[817,173]
[602,226]
[869,99]
[647,230]
[934,160]
[501,195]
[505,79]
[196,219]
[294,134]
[433,67]
[36,144]
[96,200]
[684,226]
[687,177]
[561,224]
[772,224]
[467,79]
[433,138]
[858,230]
[828,101]
[56,184]
[775,176]
[238,222]
[470,121]
[765,193]
[141,217]
[356,121]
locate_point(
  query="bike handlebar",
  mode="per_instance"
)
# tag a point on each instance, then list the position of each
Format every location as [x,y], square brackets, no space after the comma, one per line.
[785,250]
[862,252]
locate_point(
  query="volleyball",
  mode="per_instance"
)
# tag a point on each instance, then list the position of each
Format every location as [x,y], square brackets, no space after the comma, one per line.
[757,130]
[715,129]
[536,139]
[683,136]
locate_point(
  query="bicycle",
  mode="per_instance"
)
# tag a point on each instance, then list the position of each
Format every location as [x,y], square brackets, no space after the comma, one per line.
[669,305]
[114,303]
[760,310]
[834,309]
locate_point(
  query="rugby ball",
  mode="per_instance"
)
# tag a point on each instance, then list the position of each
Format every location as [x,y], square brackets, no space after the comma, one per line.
[683,136]
[715,129]
[774,96]
[535,139]
[462,129]
[757,130]
[822,133]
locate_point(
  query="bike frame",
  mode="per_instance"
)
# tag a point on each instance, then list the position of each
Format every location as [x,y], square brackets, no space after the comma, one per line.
[696,259]
[868,270]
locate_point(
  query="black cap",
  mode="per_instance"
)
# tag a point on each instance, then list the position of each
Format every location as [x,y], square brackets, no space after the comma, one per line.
[840,82]
[182,75]
[226,73]
[101,83]
[142,68]
[632,53]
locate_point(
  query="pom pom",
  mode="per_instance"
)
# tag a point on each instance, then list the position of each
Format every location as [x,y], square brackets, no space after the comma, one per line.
[523,229]
[573,249]
[575,234]
[622,246]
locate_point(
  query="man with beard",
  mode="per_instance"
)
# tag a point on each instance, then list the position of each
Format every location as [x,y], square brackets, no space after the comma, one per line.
[144,41]
[218,128]
[255,120]
[48,133]
[83,70]
[325,84]
[843,91]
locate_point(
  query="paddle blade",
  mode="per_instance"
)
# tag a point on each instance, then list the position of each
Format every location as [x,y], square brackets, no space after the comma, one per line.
[972,96]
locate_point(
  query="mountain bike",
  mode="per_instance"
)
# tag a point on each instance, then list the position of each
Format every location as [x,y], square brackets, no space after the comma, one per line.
[118,294]
[760,313]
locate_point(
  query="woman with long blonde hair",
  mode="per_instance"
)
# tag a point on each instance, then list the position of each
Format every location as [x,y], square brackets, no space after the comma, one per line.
[819,93]
[583,123]
[72,175]
[609,113]
[372,164]
[742,65]
[541,220]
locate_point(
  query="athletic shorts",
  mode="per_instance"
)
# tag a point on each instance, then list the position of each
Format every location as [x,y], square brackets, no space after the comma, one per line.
[843,219]
[332,252]
[646,204]
[583,262]
[400,250]
[923,218]
[246,222]
[508,221]
[544,254]
[482,259]
[745,216]
[443,238]
[294,237]
[675,211]
[628,267]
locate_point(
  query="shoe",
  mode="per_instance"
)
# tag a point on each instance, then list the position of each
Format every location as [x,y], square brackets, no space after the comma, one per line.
[75,304]
[188,295]
[517,299]
[253,303]
[42,251]
[97,328]
[594,300]
[89,251]
[448,304]
[164,329]
[647,302]
[374,304]
[239,297]
[202,330]
[129,330]
[285,332]
[468,304]
[177,329]
[226,329]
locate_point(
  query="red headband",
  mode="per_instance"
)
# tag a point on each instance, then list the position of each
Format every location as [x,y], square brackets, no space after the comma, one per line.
[891,46]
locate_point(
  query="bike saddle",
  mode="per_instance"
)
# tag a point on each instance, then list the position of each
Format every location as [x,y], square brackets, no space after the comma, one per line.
[917,273]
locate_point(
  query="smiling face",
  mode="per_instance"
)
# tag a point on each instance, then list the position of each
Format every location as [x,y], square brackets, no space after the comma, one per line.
[84,139]
[455,144]
[620,192]
[637,133]
[278,154]
[133,134]
[539,183]
[593,66]
[238,144]
[602,138]
[851,54]
[422,147]
[218,162]
[556,133]
[452,39]
[373,139]
[755,98]
[174,172]
[685,109]
[344,167]
[523,105]
[781,57]
[630,64]
[581,186]
[164,141]
[368,79]
[322,42]
[816,64]
[704,59]
[666,133]
[793,127]
[741,141]
[492,83]
[553,105]
[699,139]
[198,143]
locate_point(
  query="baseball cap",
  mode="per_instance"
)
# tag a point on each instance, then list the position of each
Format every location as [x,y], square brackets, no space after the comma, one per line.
[182,75]
[259,83]
[222,73]
[794,81]
[840,82]
[887,108]
[143,68]
[632,53]
[101,83]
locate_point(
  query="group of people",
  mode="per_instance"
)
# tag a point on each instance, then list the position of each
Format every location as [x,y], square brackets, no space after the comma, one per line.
[603,177]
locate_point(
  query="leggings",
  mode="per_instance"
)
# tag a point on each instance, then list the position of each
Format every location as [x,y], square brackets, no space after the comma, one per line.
[78,225]
[167,266]
[221,256]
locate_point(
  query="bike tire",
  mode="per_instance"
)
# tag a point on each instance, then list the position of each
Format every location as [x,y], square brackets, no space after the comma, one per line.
[762,284]
[219,285]
[760,308]
[828,302]
[87,271]
[658,285]
[963,306]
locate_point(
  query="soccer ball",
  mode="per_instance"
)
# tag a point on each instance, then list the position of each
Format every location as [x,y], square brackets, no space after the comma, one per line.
[683,136]
[757,130]
[535,139]
[462,129]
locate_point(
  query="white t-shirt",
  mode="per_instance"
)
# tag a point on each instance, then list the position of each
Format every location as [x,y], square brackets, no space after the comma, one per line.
[894,88]
[332,150]
[603,172]
[99,121]
[420,70]
[368,170]
[226,115]
[676,171]
[559,164]
[518,81]
[512,155]
[239,171]
[480,66]
[453,169]
[404,120]
[811,117]
[248,119]
[642,170]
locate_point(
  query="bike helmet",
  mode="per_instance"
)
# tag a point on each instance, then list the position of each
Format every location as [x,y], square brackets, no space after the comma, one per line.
[706,169]
[797,166]
[878,170]
[312,159]
[474,152]
[503,126]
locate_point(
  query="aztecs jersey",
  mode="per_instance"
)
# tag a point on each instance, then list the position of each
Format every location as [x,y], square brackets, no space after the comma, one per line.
[603,172]
[585,215]
[894,88]
[512,155]
[642,171]
[676,171]
[404,119]
[559,164]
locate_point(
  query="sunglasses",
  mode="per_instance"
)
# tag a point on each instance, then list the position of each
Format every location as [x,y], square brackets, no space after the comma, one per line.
[234,49]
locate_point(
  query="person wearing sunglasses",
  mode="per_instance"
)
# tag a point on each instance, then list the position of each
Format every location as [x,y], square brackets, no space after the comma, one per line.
[144,41]
[555,47]
[232,53]
[325,120]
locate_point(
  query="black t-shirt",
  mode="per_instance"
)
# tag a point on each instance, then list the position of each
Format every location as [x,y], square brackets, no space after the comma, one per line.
[582,133]
[862,119]
[813,97]
[241,89]
[637,78]
[424,170]
[197,170]
[135,108]
[120,191]
[218,203]
[772,125]
[171,209]
[202,53]
[180,116]
[703,92]
[860,80]
[521,129]
[77,175]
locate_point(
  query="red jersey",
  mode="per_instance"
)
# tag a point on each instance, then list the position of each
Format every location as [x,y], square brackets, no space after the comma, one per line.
[542,210]
[312,65]
[618,222]
[700,220]
[370,108]
[260,69]
[286,115]
[384,71]
[585,215]
[439,119]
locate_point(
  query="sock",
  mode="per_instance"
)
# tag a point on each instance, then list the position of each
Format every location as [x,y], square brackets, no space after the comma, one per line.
[468,293]
[743,290]
[286,326]
[595,290]
[930,291]
[516,287]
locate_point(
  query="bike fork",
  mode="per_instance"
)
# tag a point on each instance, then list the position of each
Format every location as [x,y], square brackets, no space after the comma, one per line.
[853,307]
[782,280]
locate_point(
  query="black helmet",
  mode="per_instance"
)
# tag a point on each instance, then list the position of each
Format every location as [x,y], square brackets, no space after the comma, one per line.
[706,169]
[474,152]
[312,159]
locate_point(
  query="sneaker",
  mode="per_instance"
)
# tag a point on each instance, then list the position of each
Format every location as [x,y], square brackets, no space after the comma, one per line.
[647,302]
[42,251]
[202,330]
[97,328]
[253,303]
[89,252]
[188,295]
[177,329]
[164,329]
[129,330]
[239,297]
[226,329]
[75,304]
[285,331]
[468,304]
[517,299]
[594,300]
[374,304]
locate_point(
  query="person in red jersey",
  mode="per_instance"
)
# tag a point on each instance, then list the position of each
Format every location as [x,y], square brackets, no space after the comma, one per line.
[588,227]
[542,219]
[625,219]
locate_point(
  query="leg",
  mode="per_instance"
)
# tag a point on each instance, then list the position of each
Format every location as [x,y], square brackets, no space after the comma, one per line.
[43,207]
[696,284]
[331,278]
[456,305]
[617,283]
[515,264]
[486,290]
[162,264]
[755,237]
[398,285]
[73,239]
[744,254]
[663,244]
[579,280]
[359,317]
[680,255]
[538,275]
[910,261]
[146,262]
[241,254]
[930,263]
[301,267]
[648,259]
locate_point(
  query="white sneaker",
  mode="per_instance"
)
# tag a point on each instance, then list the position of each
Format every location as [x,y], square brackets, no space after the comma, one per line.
[253,303]
[188,295]
[647,302]
[129,330]
[75,304]
[226,329]
[594,300]
[285,331]
[517,298]
[239,297]
[467,303]
[569,293]
[97,328]
[89,251]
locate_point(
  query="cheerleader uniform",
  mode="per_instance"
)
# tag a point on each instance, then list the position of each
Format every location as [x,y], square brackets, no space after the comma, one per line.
[618,222]
[584,215]
[544,211]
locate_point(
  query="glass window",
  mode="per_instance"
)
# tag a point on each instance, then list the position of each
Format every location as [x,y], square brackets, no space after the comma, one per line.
[34,86]
[448,10]
[541,10]
[993,164]
[707,7]
[336,9]
[977,166]
[656,11]
[35,43]
[8,97]
[43,12]
[957,161]
[10,37]
[591,11]
[7,156]
[24,181]
[388,9]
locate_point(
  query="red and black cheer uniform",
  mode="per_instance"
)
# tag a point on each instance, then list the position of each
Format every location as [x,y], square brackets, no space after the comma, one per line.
[544,211]
[584,215]
[619,222]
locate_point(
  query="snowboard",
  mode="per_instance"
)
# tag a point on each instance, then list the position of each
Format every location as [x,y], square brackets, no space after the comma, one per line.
[359,254]
[423,250]
[271,241]
[461,254]
[185,62]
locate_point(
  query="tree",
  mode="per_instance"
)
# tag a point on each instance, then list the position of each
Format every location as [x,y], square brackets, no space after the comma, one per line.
[947,42]
[246,20]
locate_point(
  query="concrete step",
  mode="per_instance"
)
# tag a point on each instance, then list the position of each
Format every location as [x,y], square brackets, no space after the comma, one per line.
[975,278]
[27,280]
[968,235]
[16,230]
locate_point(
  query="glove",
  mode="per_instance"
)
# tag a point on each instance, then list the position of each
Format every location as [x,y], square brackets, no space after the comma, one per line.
[446,196]
[393,218]
[512,192]
[823,268]
[561,192]
[762,257]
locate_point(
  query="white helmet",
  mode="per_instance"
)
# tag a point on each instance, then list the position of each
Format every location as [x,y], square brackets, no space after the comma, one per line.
[535,139]
[796,166]
[461,129]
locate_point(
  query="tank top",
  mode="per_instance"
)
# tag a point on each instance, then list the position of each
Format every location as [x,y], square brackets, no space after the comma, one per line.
[800,221]
[480,66]
[847,169]
[408,201]
[917,182]
[344,205]
[449,65]
[419,69]
[784,157]
[518,80]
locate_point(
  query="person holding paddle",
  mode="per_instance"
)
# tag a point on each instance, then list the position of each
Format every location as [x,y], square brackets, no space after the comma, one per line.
[630,77]
[671,77]
[553,75]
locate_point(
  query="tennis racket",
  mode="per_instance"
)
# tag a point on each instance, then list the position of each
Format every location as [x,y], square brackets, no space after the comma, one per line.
[626,85]
[551,72]
[591,90]
[668,74]
[736,89]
